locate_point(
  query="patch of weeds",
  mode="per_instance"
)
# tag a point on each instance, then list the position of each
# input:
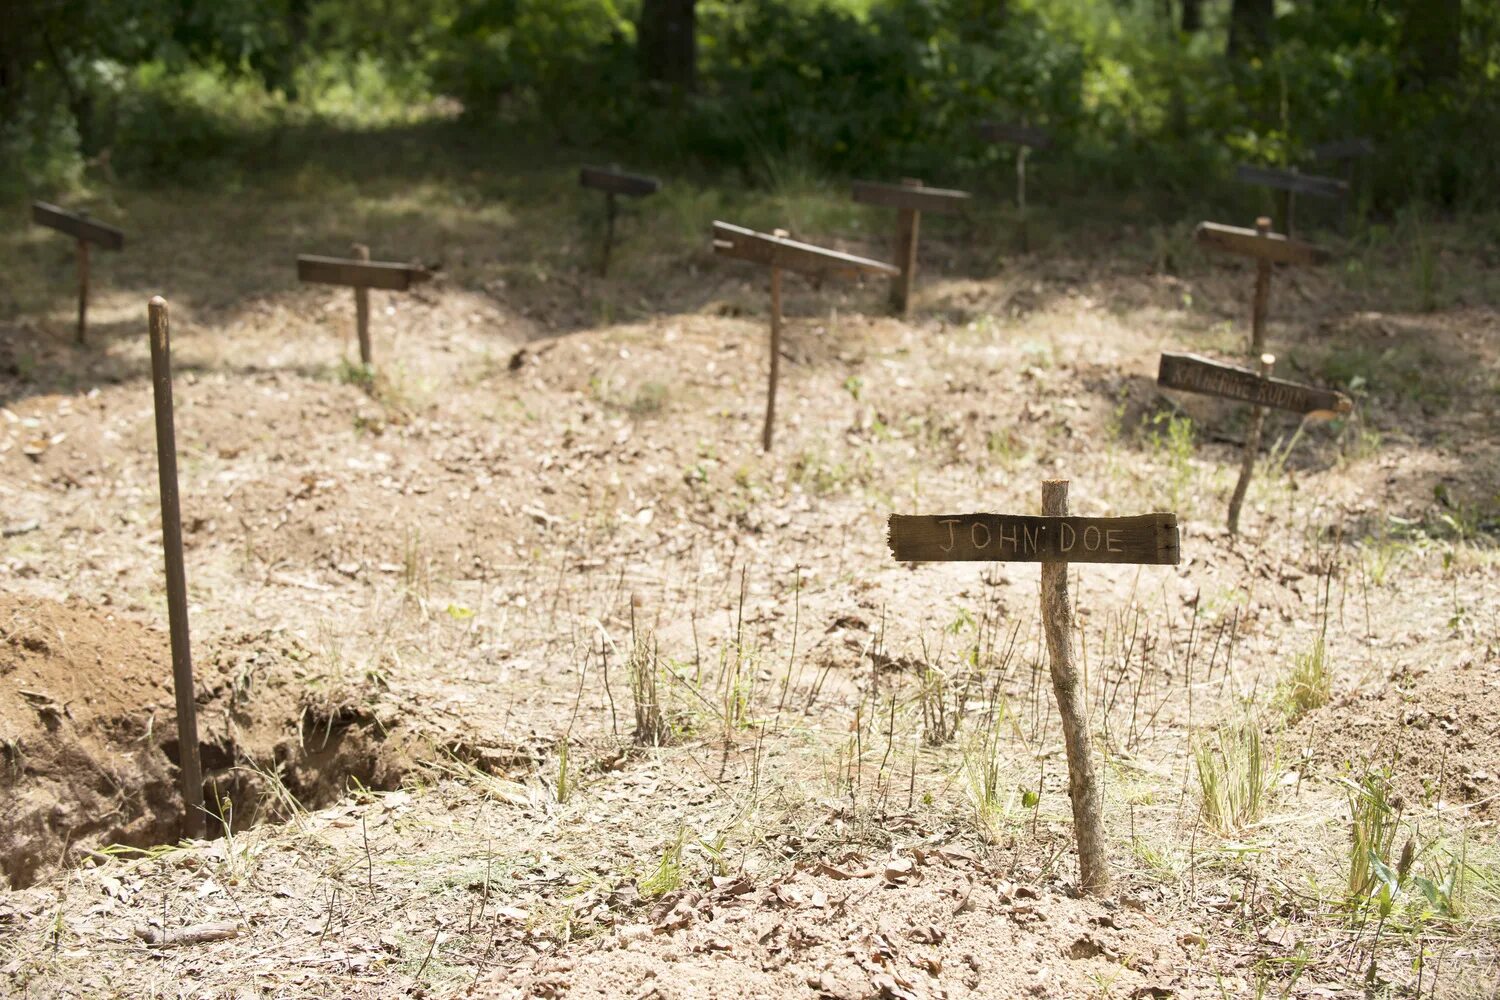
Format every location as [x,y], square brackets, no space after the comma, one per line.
[1374,818]
[1236,771]
[985,779]
[822,477]
[1308,685]
[356,373]
[854,385]
[651,727]
[1171,436]
[650,398]
[668,875]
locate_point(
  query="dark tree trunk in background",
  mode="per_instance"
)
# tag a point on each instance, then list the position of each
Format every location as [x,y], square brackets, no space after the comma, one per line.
[666,41]
[1431,33]
[1192,16]
[1251,23]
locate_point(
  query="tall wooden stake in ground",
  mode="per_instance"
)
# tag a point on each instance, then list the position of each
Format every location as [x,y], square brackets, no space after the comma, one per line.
[910,199]
[779,254]
[1054,540]
[171,539]
[85,231]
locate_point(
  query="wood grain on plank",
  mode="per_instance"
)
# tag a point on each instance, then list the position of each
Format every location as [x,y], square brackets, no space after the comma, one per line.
[389,275]
[1291,180]
[77,226]
[1211,378]
[1273,247]
[1146,538]
[618,182]
[920,199]
[778,251]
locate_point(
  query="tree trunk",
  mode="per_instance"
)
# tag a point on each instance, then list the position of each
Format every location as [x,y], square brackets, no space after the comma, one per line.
[1251,24]
[1192,16]
[666,42]
[1431,33]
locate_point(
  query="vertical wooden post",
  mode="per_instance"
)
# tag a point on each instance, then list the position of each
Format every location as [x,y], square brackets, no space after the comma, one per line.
[1252,450]
[765,434]
[609,231]
[1262,294]
[1021,197]
[362,308]
[1083,783]
[83,290]
[189,766]
[908,225]
[1289,207]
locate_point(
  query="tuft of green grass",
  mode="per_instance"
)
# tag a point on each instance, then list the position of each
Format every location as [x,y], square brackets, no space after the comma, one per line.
[1236,771]
[1374,818]
[1308,685]
[668,875]
[1171,437]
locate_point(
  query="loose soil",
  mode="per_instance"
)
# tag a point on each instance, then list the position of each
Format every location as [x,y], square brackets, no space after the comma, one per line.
[428,606]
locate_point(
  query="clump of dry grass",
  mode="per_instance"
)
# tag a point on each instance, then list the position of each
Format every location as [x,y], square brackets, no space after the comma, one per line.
[1236,771]
[651,727]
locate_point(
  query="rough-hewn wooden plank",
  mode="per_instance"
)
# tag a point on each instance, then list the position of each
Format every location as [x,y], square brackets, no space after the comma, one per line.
[1147,538]
[920,199]
[778,251]
[1017,135]
[1291,180]
[1343,149]
[1210,378]
[77,226]
[389,275]
[618,182]
[1272,246]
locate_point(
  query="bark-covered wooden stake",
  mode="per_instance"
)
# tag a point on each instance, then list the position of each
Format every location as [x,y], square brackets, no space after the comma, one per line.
[1252,450]
[1262,298]
[769,428]
[189,767]
[362,309]
[1083,782]
[908,226]
[83,290]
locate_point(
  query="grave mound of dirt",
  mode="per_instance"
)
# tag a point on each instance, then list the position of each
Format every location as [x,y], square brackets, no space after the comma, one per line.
[88,734]
[1436,730]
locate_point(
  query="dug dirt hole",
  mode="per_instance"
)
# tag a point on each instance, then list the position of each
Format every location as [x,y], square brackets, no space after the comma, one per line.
[88,734]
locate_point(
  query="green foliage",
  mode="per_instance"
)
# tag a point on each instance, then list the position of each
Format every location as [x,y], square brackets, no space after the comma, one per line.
[1236,772]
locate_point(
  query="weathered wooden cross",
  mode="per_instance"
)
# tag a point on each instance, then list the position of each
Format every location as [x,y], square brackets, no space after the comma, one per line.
[779,253]
[1054,539]
[85,231]
[1210,378]
[1025,138]
[1267,248]
[363,274]
[910,199]
[1291,183]
[615,182]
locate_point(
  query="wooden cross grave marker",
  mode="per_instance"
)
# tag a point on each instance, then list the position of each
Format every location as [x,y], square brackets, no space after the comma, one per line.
[1025,138]
[362,274]
[1211,378]
[1291,183]
[911,199]
[1267,248]
[1055,539]
[85,230]
[779,253]
[614,182]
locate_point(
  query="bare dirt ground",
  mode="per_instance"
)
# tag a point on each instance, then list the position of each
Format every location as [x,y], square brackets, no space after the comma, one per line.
[429,608]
